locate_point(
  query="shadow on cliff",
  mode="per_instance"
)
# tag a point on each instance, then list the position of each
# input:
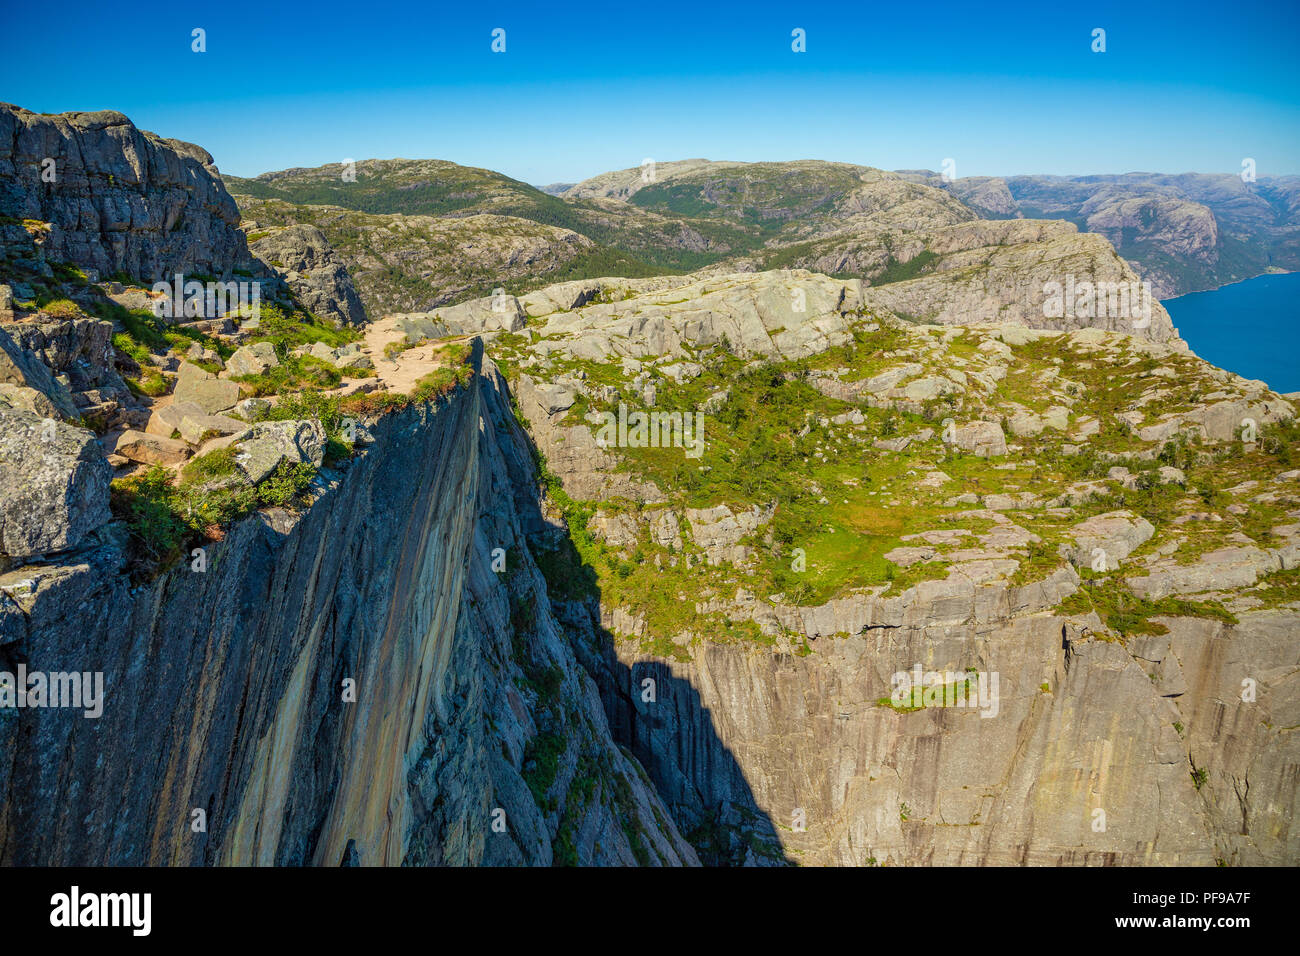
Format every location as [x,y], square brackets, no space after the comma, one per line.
[661,718]
[655,715]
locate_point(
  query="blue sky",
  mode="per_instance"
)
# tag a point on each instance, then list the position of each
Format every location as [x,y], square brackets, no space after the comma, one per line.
[583,88]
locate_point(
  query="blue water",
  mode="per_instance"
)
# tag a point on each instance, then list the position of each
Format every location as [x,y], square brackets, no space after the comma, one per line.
[1251,328]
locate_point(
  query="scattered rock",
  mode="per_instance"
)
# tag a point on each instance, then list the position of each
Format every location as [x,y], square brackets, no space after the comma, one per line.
[254,359]
[983,439]
[151,449]
[269,443]
[204,389]
[53,484]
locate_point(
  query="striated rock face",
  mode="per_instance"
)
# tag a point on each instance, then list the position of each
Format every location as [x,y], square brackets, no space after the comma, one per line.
[121,199]
[1081,726]
[314,271]
[353,683]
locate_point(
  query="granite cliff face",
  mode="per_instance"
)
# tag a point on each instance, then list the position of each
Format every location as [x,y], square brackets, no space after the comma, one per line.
[117,199]
[315,271]
[92,191]
[1070,510]
[469,707]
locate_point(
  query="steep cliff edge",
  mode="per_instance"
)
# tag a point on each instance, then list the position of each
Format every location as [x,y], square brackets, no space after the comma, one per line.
[396,650]
[782,511]
[117,198]
[227,691]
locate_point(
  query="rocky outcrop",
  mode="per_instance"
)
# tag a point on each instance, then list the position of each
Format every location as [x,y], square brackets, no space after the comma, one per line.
[1182,232]
[314,271]
[117,198]
[1011,272]
[30,383]
[53,485]
[402,263]
[269,443]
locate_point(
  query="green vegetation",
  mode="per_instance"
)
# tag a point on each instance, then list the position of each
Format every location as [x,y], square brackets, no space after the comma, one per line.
[1129,615]
[441,381]
[215,464]
[1278,589]
[151,383]
[896,271]
[915,699]
[838,504]
[541,764]
[165,518]
[293,372]
[287,329]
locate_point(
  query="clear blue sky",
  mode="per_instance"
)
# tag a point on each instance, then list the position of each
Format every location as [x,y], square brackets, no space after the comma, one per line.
[586,88]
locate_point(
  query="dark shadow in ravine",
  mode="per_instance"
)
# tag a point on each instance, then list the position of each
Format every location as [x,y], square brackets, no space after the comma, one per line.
[663,724]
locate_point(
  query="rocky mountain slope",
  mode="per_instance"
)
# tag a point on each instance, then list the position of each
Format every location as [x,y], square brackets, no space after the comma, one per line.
[1072,510]
[1184,233]
[404,263]
[433,587]
[270,696]
[1179,233]
[638,240]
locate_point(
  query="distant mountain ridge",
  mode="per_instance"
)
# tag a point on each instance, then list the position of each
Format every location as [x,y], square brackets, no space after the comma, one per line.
[1180,233]
[1184,233]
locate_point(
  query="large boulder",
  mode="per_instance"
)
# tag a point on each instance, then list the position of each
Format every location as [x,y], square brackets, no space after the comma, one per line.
[497,311]
[204,389]
[197,428]
[983,439]
[269,443]
[252,359]
[167,420]
[53,484]
[151,449]
[416,328]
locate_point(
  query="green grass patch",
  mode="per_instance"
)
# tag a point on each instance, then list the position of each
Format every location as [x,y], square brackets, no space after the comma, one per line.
[1129,615]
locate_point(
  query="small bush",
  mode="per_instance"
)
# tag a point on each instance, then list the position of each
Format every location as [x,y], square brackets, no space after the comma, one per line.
[147,503]
[285,483]
[217,464]
[293,372]
[151,383]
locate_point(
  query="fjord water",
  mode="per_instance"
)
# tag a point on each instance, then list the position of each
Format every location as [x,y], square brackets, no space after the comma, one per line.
[1251,328]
